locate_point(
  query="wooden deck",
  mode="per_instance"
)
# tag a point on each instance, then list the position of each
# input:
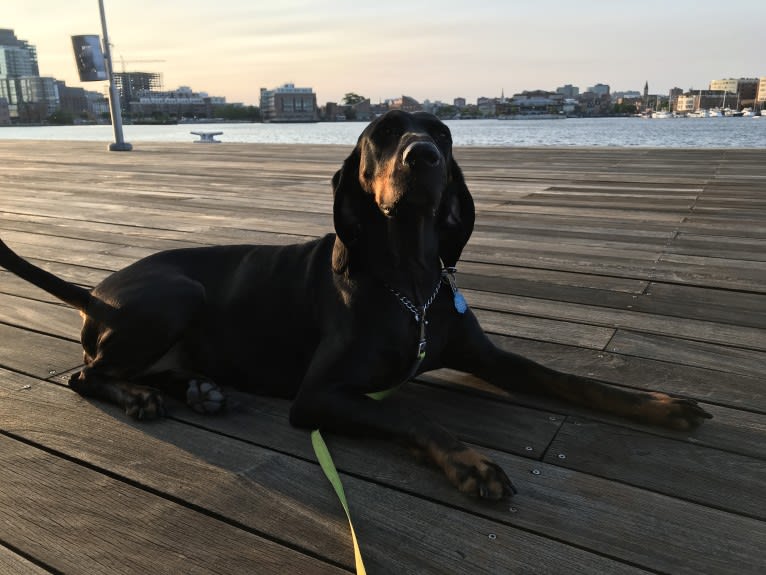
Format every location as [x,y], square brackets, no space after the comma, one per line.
[646,268]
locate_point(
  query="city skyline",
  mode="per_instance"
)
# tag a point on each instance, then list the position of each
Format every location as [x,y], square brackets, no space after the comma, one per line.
[436,50]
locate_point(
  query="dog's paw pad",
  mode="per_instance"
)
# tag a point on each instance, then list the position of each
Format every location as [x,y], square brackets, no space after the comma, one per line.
[477,476]
[675,412]
[204,396]
[143,403]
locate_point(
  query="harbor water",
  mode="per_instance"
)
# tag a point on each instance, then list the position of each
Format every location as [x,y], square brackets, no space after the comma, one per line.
[741,132]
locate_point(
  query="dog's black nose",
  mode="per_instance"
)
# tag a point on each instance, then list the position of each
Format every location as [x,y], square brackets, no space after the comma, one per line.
[421,155]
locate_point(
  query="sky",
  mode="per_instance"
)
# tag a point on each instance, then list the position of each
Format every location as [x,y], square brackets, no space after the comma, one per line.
[426,49]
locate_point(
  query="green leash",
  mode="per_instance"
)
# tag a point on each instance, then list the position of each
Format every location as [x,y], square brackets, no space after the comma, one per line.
[326,462]
[331,472]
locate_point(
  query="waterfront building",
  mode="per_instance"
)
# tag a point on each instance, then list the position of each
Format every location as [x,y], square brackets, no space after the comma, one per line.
[405,103]
[83,105]
[359,111]
[131,84]
[568,91]
[535,103]
[487,106]
[570,107]
[745,90]
[38,98]
[761,95]
[288,104]
[98,104]
[72,100]
[595,103]
[17,57]
[378,109]
[173,104]
[627,95]
[459,103]
[599,89]
[686,103]
[727,85]
[694,101]
[29,97]
[5,113]
[673,96]
[435,106]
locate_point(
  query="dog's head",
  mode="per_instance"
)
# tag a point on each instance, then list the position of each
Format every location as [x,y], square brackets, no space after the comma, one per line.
[401,175]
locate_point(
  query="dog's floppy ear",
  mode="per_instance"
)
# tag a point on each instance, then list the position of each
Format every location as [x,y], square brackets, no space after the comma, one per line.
[347,211]
[456,217]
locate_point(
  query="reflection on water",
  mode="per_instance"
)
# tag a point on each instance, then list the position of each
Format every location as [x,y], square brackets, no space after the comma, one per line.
[671,133]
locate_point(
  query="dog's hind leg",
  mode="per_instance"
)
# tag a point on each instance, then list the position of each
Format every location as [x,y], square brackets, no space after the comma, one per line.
[139,401]
[146,344]
[198,391]
[142,398]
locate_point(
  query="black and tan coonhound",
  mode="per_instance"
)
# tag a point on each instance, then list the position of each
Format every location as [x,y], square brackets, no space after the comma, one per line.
[329,321]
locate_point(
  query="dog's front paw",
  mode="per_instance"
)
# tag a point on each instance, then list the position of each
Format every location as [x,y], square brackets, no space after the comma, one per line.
[142,403]
[205,396]
[475,475]
[674,412]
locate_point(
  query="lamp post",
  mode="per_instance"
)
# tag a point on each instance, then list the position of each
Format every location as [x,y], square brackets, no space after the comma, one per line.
[119,145]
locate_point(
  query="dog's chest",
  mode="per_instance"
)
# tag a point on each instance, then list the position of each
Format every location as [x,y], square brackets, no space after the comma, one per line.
[405,343]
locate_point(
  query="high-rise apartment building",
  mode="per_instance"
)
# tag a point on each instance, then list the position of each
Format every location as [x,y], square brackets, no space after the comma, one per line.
[29,96]
[17,57]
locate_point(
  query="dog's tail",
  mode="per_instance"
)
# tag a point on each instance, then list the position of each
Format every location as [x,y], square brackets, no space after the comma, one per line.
[65,291]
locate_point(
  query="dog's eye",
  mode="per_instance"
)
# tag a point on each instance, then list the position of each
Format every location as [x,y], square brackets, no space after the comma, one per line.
[441,134]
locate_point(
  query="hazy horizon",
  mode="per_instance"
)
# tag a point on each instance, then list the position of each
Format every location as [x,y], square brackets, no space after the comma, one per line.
[427,50]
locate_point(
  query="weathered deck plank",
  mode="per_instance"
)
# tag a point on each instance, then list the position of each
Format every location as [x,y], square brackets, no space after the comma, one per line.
[77,520]
[10,562]
[684,471]
[645,268]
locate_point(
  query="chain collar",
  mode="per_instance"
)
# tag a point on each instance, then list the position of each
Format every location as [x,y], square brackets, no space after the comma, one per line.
[447,276]
[418,312]
[420,318]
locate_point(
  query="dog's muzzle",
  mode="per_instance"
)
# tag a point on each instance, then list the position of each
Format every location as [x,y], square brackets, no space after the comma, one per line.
[421,154]
[418,178]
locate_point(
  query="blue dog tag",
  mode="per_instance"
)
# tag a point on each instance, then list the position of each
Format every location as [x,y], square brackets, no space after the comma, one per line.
[460,304]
